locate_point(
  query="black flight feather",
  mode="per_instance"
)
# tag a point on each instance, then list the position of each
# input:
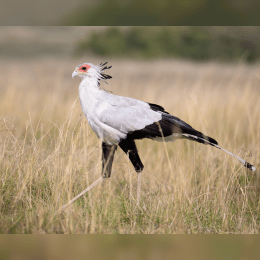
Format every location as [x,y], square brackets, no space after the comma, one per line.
[169,125]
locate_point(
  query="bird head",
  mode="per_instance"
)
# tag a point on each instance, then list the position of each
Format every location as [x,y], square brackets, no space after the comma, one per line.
[90,70]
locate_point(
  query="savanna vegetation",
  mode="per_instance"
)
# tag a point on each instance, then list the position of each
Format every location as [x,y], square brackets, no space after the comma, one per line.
[49,154]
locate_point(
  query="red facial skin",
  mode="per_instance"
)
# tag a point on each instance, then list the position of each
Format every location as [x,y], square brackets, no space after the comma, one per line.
[84,65]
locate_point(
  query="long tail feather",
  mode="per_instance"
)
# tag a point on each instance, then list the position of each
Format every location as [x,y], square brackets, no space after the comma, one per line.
[245,164]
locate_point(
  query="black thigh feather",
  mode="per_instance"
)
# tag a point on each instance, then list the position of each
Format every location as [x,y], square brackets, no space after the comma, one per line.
[108,152]
[129,147]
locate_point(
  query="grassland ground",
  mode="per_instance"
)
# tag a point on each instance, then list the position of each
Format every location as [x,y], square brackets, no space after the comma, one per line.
[49,154]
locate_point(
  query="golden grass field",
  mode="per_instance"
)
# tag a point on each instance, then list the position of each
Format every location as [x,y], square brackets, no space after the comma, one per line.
[49,154]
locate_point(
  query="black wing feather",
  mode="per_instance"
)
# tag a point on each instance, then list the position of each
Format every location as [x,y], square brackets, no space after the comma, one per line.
[167,126]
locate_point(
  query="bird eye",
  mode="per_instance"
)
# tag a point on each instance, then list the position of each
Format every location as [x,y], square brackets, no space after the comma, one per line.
[84,68]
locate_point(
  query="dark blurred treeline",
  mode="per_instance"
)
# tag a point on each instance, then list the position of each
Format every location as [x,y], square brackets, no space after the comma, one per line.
[166,12]
[197,43]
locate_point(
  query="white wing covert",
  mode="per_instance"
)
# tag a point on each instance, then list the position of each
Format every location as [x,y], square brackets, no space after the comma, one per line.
[127,115]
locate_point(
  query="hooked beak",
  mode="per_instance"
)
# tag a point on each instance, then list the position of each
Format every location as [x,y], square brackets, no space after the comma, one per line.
[74,74]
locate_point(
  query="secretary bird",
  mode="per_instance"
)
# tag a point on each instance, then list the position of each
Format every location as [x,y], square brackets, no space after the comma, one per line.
[121,120]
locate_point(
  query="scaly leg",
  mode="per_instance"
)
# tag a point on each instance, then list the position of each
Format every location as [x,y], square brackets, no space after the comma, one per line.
[108,152]
[139,182]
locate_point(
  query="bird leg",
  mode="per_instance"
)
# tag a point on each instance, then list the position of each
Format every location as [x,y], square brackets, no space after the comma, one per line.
[129,147]
[108,152]
[80,195]
[139,182]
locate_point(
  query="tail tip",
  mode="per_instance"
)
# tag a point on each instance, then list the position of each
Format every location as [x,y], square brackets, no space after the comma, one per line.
[250,166]
[213,141]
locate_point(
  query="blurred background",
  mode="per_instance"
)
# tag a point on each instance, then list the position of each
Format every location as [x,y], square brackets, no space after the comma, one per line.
[137,12]
[186,54]
[117,247]
[228,44]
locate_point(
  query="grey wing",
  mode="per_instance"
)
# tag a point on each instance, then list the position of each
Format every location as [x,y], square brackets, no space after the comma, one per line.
[127,114]
[129,119]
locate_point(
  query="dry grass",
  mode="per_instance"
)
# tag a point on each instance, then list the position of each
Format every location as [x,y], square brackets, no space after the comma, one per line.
[49,154]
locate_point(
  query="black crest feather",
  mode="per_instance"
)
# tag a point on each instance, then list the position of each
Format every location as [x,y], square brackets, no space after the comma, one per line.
[104,76]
